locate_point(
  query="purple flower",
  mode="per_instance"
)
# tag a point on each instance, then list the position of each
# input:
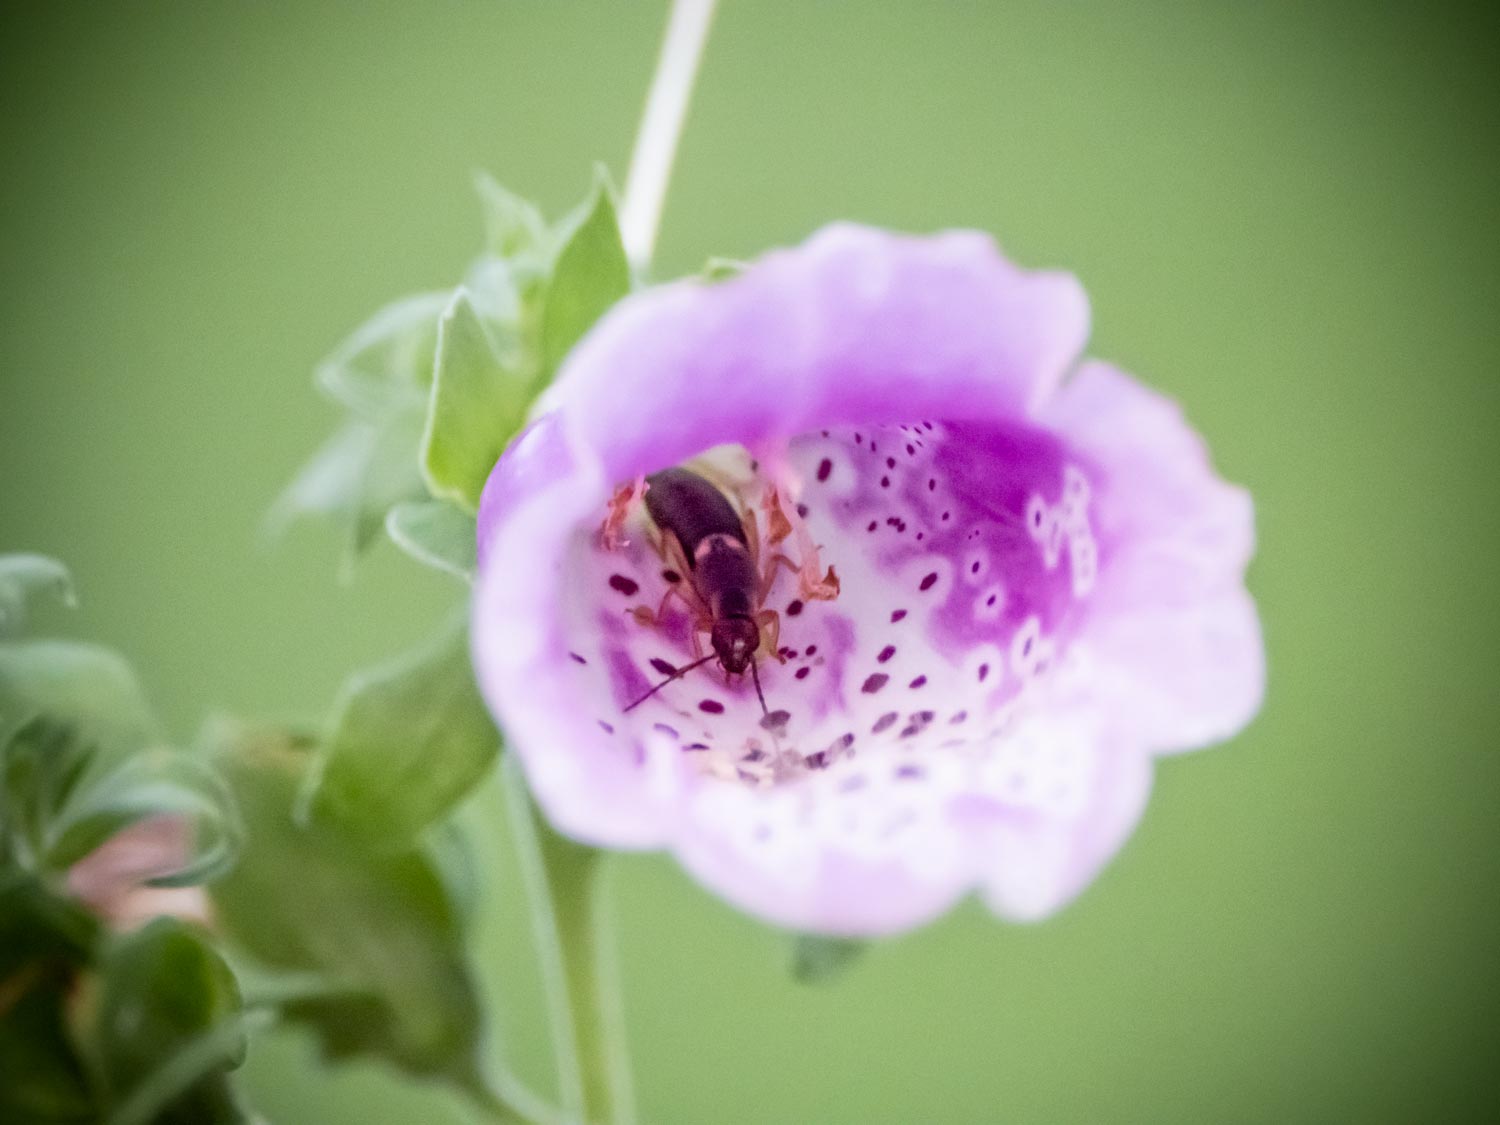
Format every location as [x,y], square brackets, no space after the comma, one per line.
[1040,586]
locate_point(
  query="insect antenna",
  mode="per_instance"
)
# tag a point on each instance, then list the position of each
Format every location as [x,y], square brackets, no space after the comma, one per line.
[755,675]
[677,675]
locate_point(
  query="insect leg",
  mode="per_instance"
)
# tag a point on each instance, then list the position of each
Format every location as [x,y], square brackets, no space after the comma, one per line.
[617,511]
[770,632]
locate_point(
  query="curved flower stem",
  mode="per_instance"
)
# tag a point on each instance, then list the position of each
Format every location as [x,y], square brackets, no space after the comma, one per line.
[661,126]
[570,920]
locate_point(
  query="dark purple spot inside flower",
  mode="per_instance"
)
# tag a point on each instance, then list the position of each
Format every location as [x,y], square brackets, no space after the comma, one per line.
[858,440]
[947,516]
[825,467]
[696,746]
[605,727]
[577,659]
[890,462]
[711,706]
[928,582]
[818,761]
[812,650]
[846,741]
[873,525]
[666,668]
[984,671]
[885,654]
[911,450]
[897,615]
[671,576]
[802,510]
[801,673]
[885,482]
[626,586]
[931,484]
[918,682]
[975,568]
[793,608]
[959,717]
[990,600]
[885,722]
[874,683]
[670,732]
[775,722]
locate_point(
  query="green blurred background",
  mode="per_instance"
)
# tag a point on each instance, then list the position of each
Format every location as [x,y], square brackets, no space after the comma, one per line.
[1286,215]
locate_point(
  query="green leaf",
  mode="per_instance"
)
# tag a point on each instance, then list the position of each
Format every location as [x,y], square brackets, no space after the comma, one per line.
[80,761]
[478,402]
[513,226]
[408,740]
[591,274]
[24,577]
[46,942]
[817,960]
[89,689]
[386,359]
[158,782]
[379,927]
[162,991]
[435,533]
[68,714]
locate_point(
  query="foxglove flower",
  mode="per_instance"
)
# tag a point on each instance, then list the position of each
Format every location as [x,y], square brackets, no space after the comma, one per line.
[1040,586]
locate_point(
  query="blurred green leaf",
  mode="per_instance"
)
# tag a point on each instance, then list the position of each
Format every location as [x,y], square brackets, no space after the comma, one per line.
[817,959]
[24,577]
[79,762]
[89,689]
[408,740]
[513,226]
[157,782]
[591,274]
[69,713]
[478,402]
[163,992]
[388,359]
[381,374]
[435,533]
[45,944]
[379,926]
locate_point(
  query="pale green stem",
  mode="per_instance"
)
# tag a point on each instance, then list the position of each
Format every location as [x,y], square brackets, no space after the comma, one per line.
[571,926]
[661,126]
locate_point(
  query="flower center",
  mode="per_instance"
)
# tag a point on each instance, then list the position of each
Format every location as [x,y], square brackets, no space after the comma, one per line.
[965,556]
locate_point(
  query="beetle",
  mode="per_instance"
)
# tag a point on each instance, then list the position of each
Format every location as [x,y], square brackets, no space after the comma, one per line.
[717,553]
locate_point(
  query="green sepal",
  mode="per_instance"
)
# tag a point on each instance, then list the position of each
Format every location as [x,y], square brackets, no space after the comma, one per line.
[372,933]
[81,760]
[479,400]
[167,1028]
[25,577]
[591,274]
[435,533]
[513,227]
[407,742]
[817,959]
